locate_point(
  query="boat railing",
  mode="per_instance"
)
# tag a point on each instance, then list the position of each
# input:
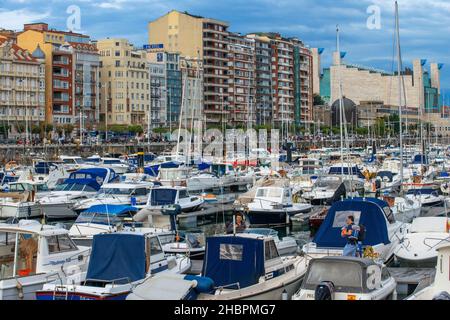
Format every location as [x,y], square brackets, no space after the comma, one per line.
[236,284]
[439,241]
[113,282]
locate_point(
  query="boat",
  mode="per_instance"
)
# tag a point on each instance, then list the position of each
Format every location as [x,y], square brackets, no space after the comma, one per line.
[119,166]
[107,218]
[161,197]
[285,246]
[404,209]
[193,246]
[418,247]
[125,193]
[428,196]
[273,205]
[346,278]
[45,253]
[248,266]
[81,184]
[326,190]
[440,288]
[382,231]
[118,262]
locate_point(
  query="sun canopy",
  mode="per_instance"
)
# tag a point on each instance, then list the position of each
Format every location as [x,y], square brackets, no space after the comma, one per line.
[368,212]
[117,256]
[230,260]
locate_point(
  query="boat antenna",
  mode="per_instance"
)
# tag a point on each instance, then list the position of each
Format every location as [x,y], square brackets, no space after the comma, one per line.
[340,100]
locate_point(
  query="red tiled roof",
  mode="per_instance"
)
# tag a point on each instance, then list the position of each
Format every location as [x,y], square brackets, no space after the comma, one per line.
[84,46]
[19,53]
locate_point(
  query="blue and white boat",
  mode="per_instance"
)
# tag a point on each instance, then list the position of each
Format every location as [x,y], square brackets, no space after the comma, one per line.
[248,266]
[81,184]
[119,261]
[382,230]
[107,218]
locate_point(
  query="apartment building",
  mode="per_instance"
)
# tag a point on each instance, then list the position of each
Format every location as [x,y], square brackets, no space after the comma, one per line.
[70,59]
[241,81]
[124,74]
[263,79]
[204,38]
[192,83]
[22,87]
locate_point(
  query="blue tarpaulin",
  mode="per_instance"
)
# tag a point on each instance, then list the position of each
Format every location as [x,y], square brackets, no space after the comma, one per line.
[152,170]
[371,215]
[116,256]
[230,260]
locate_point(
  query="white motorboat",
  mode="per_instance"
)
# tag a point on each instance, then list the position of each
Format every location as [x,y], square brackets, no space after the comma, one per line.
[273,205]
[119,166]
[326,190]
[32,254]
[428,197]
[418,247]
[124,193]
[162,197]
[382,231]
[119,261]
[346,278]
[107,218]
[440,288]
[404,209]
[81,184]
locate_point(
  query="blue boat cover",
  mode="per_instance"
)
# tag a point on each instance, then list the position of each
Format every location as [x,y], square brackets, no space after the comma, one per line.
[170,165]
[204,166]
[354,170]
[116,256]
[368,212]
[112,209]
[230,260]
[90,173]
[152,170]
[419,159]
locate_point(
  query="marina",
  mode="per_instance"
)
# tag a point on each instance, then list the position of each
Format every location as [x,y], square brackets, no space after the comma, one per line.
[241,171]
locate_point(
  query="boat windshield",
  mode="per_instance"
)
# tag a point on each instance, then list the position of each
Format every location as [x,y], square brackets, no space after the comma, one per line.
[269,193]
[102,218]
[74,187]
[332,184]
[160,197]
[345,276]
[114,191]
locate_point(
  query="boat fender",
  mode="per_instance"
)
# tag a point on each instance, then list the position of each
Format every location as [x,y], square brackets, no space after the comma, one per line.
[204,284]
[19,289]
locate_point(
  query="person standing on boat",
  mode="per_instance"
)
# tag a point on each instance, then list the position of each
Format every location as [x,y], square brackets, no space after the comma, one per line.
[239,223]
[350,231]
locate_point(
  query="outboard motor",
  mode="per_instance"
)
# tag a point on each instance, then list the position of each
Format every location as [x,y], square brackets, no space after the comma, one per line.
[324,291]
[443,296]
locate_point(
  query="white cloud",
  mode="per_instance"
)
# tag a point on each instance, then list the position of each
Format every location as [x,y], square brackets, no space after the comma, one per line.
[15,19]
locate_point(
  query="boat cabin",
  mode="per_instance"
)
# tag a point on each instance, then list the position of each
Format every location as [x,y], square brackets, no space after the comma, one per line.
[236,262]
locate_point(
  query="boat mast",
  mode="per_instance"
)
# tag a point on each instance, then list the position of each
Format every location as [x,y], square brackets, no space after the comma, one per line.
[340,100]
[399,74]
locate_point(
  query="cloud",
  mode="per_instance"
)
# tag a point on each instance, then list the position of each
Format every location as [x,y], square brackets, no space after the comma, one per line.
[15,19]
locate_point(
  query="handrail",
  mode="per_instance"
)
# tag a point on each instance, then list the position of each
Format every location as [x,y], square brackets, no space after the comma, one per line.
[439,241]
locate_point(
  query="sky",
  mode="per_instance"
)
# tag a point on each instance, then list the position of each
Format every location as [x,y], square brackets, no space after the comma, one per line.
[424,24]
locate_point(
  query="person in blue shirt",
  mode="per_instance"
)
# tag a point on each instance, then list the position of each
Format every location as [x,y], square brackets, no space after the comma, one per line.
[350,232]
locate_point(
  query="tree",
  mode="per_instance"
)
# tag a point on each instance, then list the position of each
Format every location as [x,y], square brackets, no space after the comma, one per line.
[68,128]
[160,130]
[318,100]
[118,128]
[361,131]
[35,129]
[135,129]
